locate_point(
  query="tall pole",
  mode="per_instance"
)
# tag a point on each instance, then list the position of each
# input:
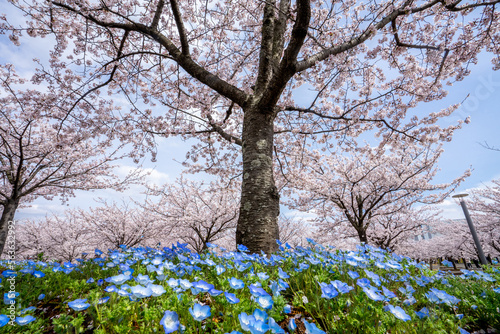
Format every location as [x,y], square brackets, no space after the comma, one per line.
[482,258]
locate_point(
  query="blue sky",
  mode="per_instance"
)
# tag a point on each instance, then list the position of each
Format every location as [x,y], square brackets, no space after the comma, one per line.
[482,89]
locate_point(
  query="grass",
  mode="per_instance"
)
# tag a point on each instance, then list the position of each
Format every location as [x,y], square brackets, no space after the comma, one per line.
[323,290]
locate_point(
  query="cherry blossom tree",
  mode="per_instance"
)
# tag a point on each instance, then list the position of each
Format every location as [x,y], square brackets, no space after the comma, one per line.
[45,155]
[294,231]
[370,189]
[78,231]
[114,224]
[233,75]
[30,242]
[196,213]
[55,238]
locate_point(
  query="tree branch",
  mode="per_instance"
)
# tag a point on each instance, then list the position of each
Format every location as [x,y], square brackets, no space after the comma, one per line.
[180,27]
[187,63]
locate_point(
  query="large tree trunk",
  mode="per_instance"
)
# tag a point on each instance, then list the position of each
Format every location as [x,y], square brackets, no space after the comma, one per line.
[362,235]
[257,226]
[8,212]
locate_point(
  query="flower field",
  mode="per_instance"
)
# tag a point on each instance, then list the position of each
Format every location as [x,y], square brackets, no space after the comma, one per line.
[302,290]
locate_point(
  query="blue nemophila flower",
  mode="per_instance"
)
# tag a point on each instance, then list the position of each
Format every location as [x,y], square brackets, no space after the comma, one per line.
[195,291]
[118,279]
[311,328]
[231,298]
[172,282]
[373,293]
[393,265]
[287,309]
[462,331]
[79,304]
[123,293]
[283,284]
[311,241]
[28,270]
[432,297]
[38,274]
[341,286]
[353,274]
[303,266]
[219,269]
[473,307]
[266,302]
[447,263]
[31,308]
[234,332]
[292,326]
[9,273]
[199,312]
[313,261]
[399,312]
[236,283]
[258,327]
[351,262]
[41,296]
[98,252]
[260,315]
[242,248]
[90,280]
[363,282]
[185,284]
[485,276]
[111,288]
[139,291]
[214,292]
[25,320]
[103,300]
[263,276]
[170,322]
[423,313]
[374,277]
[459,316]
[143,279]
[203,286]
[169,265]
[243,266]
[328,291]
[257,290]
[410,301]
[408,291]
[442,296]
[156,290]
[275,288]
[9,297]
[4,320]
[282,274]
[388,293]
[274,327]
[246,321]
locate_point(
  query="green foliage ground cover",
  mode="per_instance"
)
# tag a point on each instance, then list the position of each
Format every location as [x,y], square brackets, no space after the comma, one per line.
[302,290]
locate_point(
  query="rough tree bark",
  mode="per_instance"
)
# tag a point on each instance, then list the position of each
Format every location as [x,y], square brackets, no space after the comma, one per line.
[9,210]
[258,220]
